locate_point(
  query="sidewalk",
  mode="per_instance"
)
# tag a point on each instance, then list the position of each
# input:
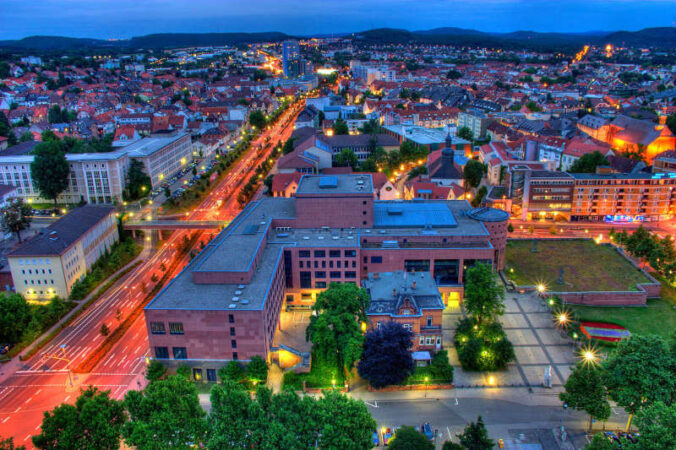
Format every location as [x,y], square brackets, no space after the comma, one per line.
[9,368]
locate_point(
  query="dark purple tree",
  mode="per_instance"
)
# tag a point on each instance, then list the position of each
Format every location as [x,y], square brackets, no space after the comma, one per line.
[386,358]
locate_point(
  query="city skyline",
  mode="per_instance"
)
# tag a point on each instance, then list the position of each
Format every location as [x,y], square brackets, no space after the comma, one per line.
[125,19]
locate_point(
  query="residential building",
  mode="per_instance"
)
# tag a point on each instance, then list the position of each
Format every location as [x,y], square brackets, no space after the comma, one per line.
[475,120]
[281,252]
[48,264]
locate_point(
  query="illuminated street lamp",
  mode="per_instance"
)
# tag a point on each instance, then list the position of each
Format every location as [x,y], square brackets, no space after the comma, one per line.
[426,380]
[541,288]
[333,382]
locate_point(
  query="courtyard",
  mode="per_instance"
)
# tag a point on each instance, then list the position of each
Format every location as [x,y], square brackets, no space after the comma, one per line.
[586,266]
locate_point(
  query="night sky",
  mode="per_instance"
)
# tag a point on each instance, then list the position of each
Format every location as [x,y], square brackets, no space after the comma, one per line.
[127,18]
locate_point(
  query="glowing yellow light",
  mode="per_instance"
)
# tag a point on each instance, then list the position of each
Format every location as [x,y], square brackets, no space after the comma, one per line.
[491,380]
[541,288]
[363,326]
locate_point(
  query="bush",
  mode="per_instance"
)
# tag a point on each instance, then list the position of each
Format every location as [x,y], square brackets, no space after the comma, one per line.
[183,371]
[440,368]
[482,347]
[233,371]
[155,371]
[257,370]
[292,381]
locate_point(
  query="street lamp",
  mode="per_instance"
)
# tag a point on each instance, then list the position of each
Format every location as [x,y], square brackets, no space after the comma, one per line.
[426,380]
[333,382]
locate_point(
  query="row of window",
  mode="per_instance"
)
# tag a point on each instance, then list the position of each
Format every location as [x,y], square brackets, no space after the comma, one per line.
[332,253]
[301,264]
[158,328]
[39,282]
[35,261]
[37,271]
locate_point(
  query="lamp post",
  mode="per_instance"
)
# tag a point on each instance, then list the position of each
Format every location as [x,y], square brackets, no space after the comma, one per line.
[426,380]
[333,382]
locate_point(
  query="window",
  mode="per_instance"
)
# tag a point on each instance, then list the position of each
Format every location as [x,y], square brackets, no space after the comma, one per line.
[316,264]
[438,340]
[351,274]
[232,331]
[300,264]
[306,280]
[422,340]
[175,327]
[211,374]
[376,259]
[320,274]
[157,328]
[231,318]
[320,253]
[408,326]
[334,253]
[197,374]
[429,321]
[338,264]
[320,284]
[233,343]
[161,353]
[378,325]
[428,341]
[335,274]
[234,356]
[418,265]
[304,253]
[180,352]
[350,253]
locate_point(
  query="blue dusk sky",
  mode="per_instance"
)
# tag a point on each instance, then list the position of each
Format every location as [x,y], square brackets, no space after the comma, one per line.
[127,18]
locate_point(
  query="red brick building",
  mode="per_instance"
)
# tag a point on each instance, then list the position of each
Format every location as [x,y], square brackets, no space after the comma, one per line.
[279,251]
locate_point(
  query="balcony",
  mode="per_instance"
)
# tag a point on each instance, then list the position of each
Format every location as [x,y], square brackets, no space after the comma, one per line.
[433,328]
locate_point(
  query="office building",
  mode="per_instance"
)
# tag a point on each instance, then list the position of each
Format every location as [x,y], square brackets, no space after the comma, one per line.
[48,264]
[281,252]
[290,58]
[100,177]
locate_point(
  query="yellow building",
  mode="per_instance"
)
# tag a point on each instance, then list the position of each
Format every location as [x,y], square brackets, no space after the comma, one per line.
[48,264]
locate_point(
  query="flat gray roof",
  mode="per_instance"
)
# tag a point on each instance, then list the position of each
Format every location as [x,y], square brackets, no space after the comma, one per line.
[332,184]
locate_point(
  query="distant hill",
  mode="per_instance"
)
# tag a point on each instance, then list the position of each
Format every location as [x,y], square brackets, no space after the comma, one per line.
[650,37]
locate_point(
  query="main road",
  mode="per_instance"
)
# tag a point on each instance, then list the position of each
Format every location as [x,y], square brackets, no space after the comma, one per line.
[46,380]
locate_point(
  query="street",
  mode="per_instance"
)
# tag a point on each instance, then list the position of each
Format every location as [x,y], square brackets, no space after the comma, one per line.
[42,382]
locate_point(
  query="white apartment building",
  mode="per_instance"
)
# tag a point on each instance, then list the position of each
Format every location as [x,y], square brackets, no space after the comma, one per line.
[48,264]
[100,178]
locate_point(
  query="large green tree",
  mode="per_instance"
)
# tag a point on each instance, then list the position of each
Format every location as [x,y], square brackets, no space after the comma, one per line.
[483,294]
[257,119]
[408,438]
[334,329]
[8,444]
[657,427]
[465,133]
[15,314]
[257,370]
[166,414]
[345,422]
[588,162]
[15,217]
[138,181]
[473,173]
[346,158]
[475,436]
[640,372]
[95,421]
[340,127]
[50,169]
[584,390]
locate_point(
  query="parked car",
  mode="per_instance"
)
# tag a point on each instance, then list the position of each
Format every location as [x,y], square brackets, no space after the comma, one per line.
[4,348]
[426,429]
[376,438]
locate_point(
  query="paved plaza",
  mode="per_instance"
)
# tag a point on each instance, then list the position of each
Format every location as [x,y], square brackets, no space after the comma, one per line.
[538,344]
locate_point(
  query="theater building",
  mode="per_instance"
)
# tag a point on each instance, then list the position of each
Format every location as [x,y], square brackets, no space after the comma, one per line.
[281,252]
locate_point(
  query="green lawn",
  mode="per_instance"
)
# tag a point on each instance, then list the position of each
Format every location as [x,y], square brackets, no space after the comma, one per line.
[659,317]
[587,266]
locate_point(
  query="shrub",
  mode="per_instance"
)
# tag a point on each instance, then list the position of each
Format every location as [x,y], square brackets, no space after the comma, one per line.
[440,368]
[257,370]
[482,347]
[233,371]
[155,371]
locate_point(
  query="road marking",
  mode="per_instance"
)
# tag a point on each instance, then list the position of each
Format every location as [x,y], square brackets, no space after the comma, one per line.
[5,419]
[27,437]
[456,401]
[38,427]
[29,399]
[374,405]
[67,398]
[449,432]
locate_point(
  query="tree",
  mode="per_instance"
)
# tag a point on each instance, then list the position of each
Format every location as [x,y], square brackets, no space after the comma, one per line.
[15,217]
[257,119]
[138,182]
[346,158]
[232,371]
[232,417]
[165,414]
[453,74]
[288,146]
[334,329]
[533,107]
[4,69]
[473,173]
[155,371]
[478,198]
[510,228]
[465,133]
[584,390]
[183,371]
[475,436]
[345,422]
[8,444]
[483,295]
[657,426]
[671,122]
[640,372]
[408,438]
[386,357]
[588,162]
[257,370]
[50,169]
[104,330]
[15,315]
[600,442]
[449,445]
[340,127]
[167,192]
[26,136]
[95,421]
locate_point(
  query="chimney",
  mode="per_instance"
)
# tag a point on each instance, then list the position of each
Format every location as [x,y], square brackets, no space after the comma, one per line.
[413,285]
[394,292]
[376,276]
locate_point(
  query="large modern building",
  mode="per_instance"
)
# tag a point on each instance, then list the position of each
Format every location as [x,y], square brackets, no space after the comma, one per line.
[608,197]
[290,57]
[100,177]
[48,264]
[279,251]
